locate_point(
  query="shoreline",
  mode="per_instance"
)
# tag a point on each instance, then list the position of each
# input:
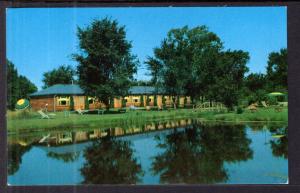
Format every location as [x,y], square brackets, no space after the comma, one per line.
[74,121]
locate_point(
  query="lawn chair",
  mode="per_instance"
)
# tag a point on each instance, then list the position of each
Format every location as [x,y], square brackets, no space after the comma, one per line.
[252,108]
[264,104]
[43,115]
[81,112]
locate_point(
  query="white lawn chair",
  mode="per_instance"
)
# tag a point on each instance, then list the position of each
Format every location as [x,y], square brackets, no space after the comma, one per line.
[80,112]
[43,115]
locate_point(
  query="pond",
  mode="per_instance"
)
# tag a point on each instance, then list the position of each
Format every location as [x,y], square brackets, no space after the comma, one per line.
[173,152]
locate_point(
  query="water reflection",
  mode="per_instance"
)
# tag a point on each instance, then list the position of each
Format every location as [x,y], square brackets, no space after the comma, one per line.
[197,154]
[110,161]
[15,153]
[279,142]
[65,157]
[177,151]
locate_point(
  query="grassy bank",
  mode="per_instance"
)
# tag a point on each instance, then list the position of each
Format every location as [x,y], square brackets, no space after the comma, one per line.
[32,121]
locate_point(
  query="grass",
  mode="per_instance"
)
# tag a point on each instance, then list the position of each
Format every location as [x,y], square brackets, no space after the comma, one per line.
[20,122]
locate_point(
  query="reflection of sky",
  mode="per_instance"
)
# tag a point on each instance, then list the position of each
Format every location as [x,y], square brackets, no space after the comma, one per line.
[263,168]
[38,169]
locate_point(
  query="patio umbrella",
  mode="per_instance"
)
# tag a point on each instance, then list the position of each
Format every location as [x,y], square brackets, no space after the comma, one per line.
[22,104]
[276,94]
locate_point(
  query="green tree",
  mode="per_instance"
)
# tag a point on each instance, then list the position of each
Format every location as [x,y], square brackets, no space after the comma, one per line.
[18,86]
[142,101]
[192,62]
[155,68]
[123,102]
[255,81]
[105,64]
[13,87]
[71,103]
[229,77]
[277,70]
[147,100]
[26,87]
[61,75]
[111,102]
[155,100]
[141,83]
[255,88]
[163,101]
[86,103]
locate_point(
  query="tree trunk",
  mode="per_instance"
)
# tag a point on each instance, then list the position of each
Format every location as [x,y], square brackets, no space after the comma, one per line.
[174,102]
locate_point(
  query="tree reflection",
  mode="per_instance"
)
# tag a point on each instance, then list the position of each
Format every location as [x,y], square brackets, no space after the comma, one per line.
[279,143]
[197,154]
[15,154]
[65,157]
[111,161]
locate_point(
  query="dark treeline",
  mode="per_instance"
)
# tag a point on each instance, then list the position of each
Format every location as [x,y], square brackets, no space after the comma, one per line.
[257,85]
[18,86]
[64,74]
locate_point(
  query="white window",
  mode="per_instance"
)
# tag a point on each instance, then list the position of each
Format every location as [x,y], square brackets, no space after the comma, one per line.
[63,101]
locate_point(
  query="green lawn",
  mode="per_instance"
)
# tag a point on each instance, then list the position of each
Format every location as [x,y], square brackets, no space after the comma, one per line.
[18,123]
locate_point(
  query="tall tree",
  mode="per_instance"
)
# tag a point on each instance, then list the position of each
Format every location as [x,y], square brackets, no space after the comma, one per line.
[12,85]
[255,81]
[61,75]
[105,64]
[176,59]
[229,77]
[26,87]
[255,87]
[155,68]
[18,86]
[277,70]
[192,62]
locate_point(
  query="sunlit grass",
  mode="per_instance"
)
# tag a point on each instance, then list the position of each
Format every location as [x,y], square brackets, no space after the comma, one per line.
[18,122]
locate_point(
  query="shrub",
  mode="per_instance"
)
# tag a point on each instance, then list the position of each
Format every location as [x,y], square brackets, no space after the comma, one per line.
[142,101]
[71,103]
[86,103]
[272,100]
[239,110]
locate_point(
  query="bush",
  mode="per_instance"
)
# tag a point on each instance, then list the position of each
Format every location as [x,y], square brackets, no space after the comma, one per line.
[239,110]
[272,100]
[71,103]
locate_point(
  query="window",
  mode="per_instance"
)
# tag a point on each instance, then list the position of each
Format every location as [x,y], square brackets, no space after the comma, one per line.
[63,101]
[91,100]
[136,100]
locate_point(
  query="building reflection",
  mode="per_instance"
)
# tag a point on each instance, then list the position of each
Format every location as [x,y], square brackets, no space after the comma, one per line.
[72,137]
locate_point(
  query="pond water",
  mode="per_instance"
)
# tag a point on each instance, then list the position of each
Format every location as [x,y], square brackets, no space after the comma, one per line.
[177,152]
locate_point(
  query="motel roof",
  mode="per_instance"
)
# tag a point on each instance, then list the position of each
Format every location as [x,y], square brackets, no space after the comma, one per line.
[74,89]
[135,90]
[60,89]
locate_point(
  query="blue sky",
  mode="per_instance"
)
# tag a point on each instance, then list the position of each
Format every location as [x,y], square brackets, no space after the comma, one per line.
[39,40]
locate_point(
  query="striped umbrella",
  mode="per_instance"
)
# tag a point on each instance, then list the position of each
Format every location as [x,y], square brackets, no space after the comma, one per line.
[22,104]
